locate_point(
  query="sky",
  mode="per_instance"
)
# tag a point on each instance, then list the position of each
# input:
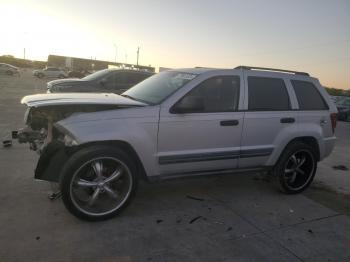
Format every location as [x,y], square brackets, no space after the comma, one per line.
[304,35]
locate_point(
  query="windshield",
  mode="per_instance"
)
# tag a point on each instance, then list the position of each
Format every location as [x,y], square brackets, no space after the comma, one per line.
[156,88]
[96,75]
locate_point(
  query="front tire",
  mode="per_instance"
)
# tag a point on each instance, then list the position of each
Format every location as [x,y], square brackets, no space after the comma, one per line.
[98,182]
[296,168]
[9,73]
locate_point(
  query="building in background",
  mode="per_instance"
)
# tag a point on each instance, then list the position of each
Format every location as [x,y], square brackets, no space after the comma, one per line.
[75,63]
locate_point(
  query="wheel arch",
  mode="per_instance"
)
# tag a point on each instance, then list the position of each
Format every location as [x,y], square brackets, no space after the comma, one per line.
[53,159]
[125,146]
[309,140]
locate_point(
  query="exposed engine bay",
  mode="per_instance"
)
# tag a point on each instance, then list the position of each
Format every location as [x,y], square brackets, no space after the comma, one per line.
[40,130]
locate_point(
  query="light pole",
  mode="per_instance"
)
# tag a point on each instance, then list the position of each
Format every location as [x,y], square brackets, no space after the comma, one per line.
[138,53]
[25,41]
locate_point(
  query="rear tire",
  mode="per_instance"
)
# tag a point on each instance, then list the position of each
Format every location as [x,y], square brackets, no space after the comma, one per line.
[40,75]
[296,168]
[88,188]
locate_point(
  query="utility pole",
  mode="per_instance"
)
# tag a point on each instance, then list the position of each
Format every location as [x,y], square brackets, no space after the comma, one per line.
[24,53]
[138,53]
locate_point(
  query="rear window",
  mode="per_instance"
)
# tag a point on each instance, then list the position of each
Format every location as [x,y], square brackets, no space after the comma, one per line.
[267,94]
[309,98]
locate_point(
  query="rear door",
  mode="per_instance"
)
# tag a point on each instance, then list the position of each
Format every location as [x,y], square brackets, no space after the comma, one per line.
[205,140]
[312,106]
[269,114]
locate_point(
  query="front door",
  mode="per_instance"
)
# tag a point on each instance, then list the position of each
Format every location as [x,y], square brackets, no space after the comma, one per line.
[207,139]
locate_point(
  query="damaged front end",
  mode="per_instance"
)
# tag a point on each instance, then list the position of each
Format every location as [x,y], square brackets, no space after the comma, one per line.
[53,145]
[49,140]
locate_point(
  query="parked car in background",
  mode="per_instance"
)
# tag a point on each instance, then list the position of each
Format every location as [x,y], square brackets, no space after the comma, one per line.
[178,123]
[105,81]
[8,69]
[343,107]
[78,73]
[50,72]
[337,99]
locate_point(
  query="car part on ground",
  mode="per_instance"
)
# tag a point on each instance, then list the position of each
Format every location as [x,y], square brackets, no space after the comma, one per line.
[179,123]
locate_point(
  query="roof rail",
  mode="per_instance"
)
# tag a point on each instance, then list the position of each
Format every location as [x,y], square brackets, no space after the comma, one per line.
[271,69]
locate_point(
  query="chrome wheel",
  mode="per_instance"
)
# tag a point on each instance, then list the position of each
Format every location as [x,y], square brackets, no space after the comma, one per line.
[299,169]
[100,186]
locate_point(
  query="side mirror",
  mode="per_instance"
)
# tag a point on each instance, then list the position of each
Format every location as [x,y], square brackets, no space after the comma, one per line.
[189,104]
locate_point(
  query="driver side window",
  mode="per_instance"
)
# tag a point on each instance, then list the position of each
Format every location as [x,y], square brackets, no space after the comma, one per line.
[219,94]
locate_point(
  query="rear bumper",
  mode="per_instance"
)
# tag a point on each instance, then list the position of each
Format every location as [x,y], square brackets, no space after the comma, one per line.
[326,146]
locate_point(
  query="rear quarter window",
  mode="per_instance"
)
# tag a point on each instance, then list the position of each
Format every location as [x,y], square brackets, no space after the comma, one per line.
[308,96]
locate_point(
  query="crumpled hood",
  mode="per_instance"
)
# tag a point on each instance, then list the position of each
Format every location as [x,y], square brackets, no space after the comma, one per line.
[40,100]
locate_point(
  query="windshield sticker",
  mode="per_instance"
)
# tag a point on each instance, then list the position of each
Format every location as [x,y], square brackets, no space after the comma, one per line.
[185,76]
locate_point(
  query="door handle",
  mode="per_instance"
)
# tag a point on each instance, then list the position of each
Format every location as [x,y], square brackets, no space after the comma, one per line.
[287,120]
[229,123]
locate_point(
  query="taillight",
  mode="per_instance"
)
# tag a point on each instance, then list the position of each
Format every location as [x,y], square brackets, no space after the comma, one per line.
[334,121]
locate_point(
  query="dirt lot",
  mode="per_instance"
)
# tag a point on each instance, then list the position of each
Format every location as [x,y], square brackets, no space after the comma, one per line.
[239,217]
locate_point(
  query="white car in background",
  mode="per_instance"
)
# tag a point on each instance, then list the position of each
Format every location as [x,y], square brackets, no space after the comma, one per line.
[8,69]
[50,72]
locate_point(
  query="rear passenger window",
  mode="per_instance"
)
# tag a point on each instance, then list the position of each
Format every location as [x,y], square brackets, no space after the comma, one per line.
[267,94]
[309,98]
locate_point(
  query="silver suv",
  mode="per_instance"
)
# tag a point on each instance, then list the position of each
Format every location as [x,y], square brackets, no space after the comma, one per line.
[50,72]
[185,122]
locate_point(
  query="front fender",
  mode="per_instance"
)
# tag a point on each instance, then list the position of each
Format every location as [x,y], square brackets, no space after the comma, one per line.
[51,161]
[139,132]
